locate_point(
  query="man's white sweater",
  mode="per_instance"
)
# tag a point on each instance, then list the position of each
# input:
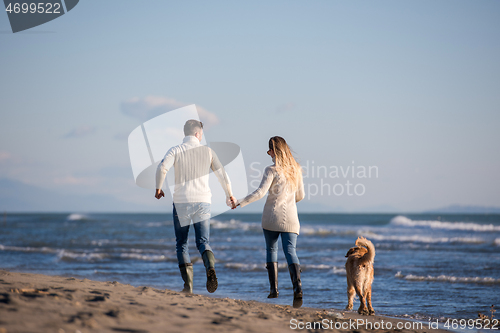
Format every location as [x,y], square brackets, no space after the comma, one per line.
[192,163]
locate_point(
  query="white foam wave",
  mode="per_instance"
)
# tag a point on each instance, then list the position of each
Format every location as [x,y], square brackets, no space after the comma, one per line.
[320,266]
[497,241]
[95,256]
[365,233]
[136,256]
[448,278]
[100,242]
[428,239]
[335,270]
[245,267]
[76,217]
[155,224]
[282,266]
[43,249]
[86,256]
[339,270]
[325,231]
[319,231]
[235,224]
[404,221]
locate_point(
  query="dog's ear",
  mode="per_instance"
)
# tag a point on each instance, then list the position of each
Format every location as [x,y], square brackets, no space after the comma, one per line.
[351,251]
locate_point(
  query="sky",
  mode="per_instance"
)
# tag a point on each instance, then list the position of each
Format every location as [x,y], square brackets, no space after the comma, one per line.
[409,88]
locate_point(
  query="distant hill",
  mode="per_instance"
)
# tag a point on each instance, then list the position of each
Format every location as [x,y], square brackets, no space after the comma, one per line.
[16,196]
[462,209]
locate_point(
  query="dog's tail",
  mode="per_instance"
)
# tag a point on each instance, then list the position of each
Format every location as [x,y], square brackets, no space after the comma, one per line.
[370,255]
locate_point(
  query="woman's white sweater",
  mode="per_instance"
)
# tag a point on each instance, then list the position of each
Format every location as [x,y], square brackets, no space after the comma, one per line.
[280,210]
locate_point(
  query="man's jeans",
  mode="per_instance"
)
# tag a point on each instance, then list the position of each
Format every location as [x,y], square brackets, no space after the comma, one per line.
[199,214]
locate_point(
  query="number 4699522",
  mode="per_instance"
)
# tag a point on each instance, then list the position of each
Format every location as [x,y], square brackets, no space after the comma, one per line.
[41,8]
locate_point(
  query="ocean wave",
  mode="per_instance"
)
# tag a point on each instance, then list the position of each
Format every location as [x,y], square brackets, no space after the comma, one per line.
[235,224]
[448,278]
[43,249]
[404,221]
[427,239]
[101,242]
[323,231]
[66,255]
[314,231]
[155,224]
[320,266]
[497,241]
[77,217]
[246,267]
[339,270]
[145,257]
[283,267]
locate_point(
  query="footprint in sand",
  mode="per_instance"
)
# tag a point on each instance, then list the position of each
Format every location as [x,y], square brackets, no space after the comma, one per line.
[113,313]
[100,296]
[5,298]
[128,330]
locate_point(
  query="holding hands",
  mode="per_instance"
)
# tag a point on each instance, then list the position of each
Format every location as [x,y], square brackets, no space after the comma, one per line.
[232,202]
[159,193]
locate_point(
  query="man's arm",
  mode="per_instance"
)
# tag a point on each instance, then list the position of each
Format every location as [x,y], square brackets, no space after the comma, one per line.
[223,178]
[161,172]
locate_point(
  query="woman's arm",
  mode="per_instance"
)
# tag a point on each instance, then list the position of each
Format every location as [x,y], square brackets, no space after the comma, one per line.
[264,186]
[300,194]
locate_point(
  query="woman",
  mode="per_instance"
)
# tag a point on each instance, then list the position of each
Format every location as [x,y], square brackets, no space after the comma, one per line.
[283,181]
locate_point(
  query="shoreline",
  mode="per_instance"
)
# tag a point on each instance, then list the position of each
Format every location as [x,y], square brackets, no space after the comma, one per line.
[42,303]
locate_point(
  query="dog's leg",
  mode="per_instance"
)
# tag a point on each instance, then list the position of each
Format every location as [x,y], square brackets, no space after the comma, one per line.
[369,301]
[362,299]
[350,296]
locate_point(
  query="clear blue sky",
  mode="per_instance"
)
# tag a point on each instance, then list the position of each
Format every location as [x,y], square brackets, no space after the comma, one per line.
[411,87]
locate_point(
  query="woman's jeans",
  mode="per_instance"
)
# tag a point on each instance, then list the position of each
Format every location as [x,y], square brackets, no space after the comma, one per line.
[199,214]
[289,241]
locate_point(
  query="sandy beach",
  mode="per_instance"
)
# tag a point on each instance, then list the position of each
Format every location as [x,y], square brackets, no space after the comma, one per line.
[41,303]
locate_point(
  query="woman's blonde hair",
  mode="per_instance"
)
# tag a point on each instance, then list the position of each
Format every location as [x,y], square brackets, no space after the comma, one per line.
[285,162]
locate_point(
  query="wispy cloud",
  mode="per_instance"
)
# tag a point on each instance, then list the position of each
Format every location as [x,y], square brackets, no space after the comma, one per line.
[9,159]
[5,155]
[152,106]
[285,107]
[80,131]
[70,180]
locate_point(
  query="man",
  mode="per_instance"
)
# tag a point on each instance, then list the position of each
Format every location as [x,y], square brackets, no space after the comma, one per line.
[192,198]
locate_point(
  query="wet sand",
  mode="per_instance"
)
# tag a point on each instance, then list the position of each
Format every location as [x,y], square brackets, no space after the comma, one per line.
[41,303]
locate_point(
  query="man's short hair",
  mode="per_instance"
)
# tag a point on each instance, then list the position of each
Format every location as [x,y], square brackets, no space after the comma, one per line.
[192,126]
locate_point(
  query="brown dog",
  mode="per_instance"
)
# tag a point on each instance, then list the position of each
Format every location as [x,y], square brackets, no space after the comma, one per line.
[359,269]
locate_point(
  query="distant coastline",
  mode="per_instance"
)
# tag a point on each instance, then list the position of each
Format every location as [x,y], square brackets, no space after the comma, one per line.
[463,209]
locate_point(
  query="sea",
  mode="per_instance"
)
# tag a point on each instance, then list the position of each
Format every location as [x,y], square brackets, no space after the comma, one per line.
[427,266]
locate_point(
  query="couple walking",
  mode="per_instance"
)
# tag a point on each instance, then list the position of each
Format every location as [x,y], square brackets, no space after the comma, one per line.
[192,197]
